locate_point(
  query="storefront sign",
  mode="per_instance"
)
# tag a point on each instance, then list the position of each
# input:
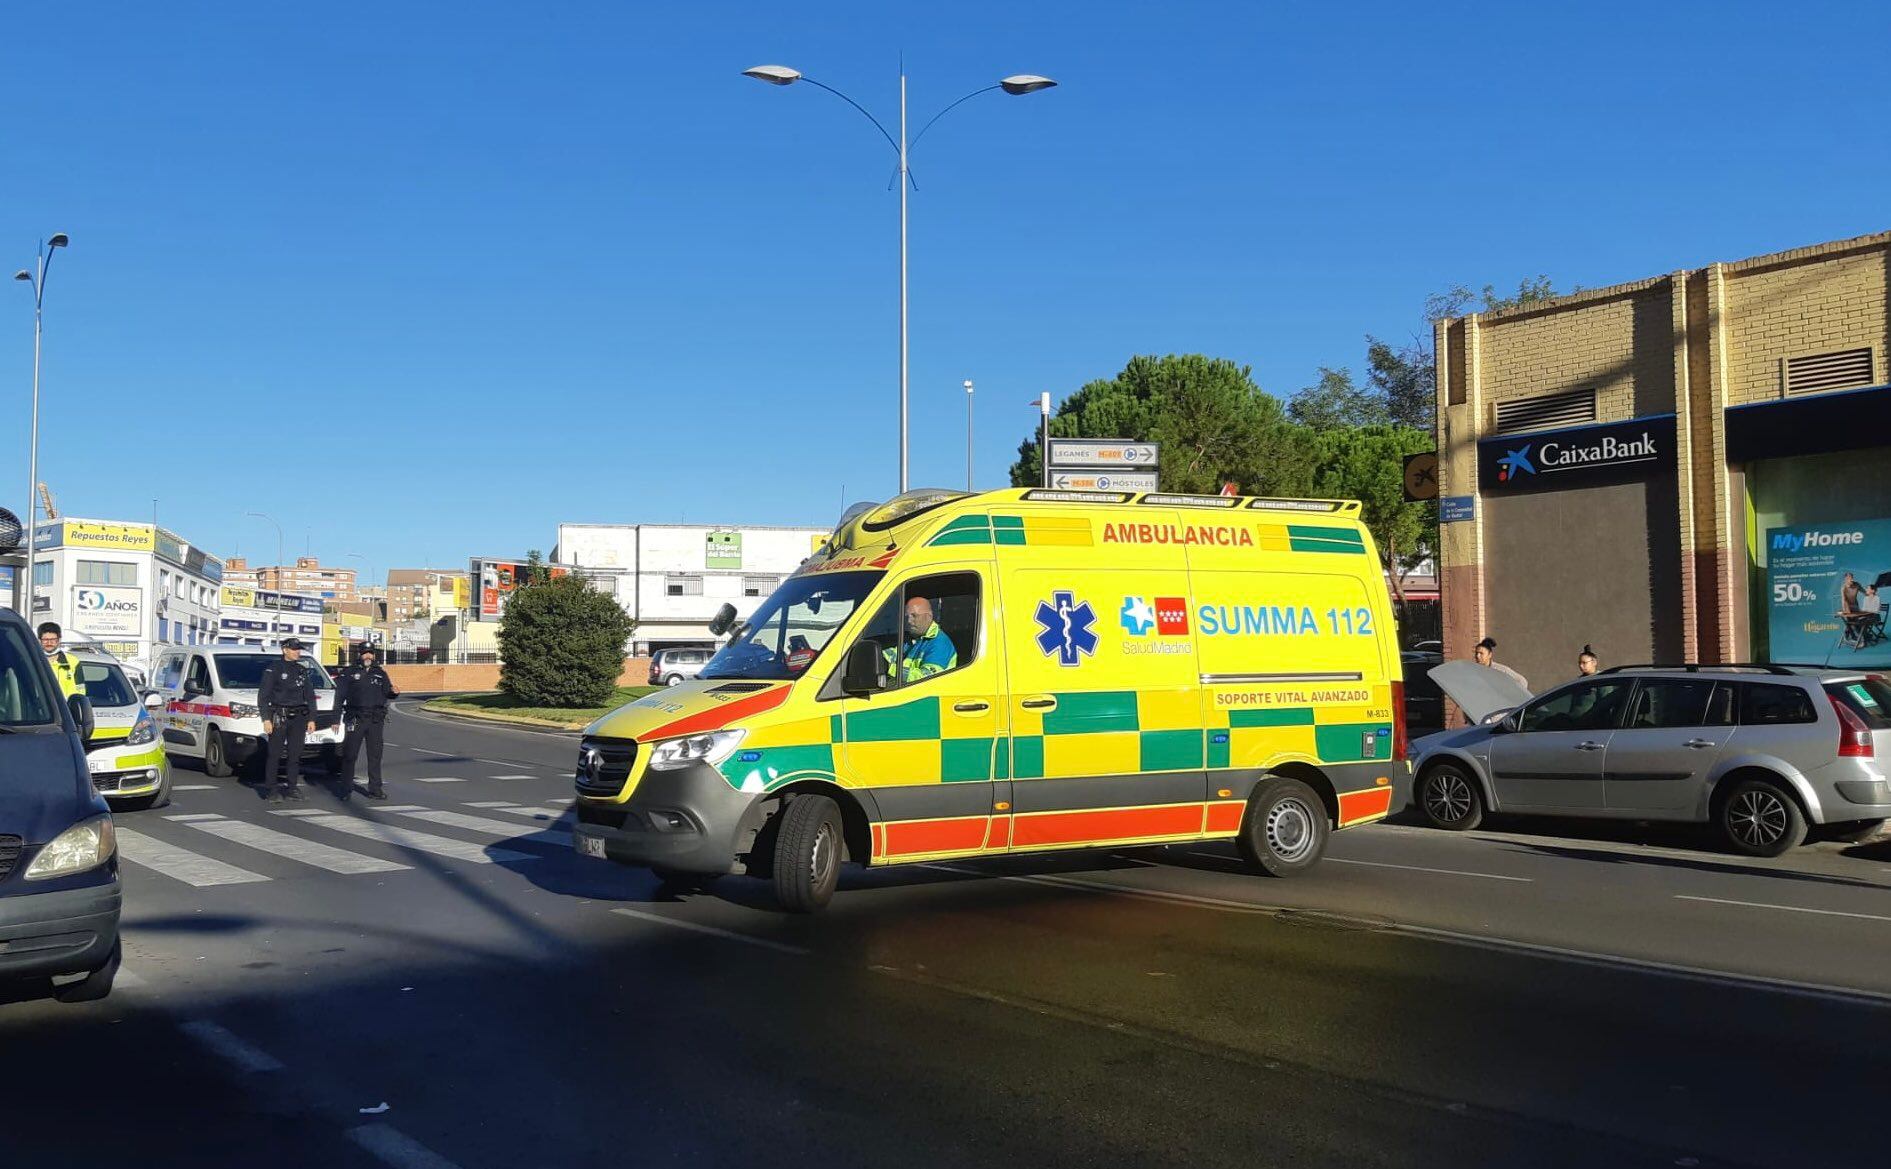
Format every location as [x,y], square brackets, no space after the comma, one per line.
[1814,614]
[1576,457]
[1457,509]
[723,550]
[107,611]
[237,598]
[121,537]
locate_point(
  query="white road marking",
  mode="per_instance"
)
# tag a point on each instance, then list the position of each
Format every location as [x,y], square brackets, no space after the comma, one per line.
[513,777]
[1783,908]
[439,779]
[491,804]
[186,818]
[478,854]
[396,807]
[194,787]
[220,1041]
[539,814]
[1422,869]
[502,763]
[498,828]
[127,979]
[309,852]
[298,812]
[425,751]
[180,864]
[698,927]
[396,1148]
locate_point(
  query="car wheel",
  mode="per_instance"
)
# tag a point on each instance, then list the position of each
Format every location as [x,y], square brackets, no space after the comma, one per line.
[162,797]
[216,762]
[1855,832]
[673,680]
[1448,798]
[97,984]
[807,853]
[1285,831]
[1758,818]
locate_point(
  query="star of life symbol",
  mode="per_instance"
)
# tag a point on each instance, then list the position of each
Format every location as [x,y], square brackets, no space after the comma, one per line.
[1137,616]
[1067,628]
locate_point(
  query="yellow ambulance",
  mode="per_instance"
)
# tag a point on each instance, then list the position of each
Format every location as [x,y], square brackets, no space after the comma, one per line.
[956,675]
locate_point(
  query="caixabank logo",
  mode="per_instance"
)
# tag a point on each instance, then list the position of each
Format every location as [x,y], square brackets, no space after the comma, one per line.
[1568,458]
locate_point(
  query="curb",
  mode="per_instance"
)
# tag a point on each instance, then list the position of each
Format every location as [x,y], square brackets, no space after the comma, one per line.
[500,720]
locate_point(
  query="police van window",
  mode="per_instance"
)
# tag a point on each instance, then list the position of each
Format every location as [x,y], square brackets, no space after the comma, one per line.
[930,627]
[170,671]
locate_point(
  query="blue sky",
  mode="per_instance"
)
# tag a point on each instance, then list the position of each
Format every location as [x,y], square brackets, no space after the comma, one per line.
[517,264]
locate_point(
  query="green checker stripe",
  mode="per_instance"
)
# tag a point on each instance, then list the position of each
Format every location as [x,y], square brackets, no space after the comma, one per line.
[913,720]
[1008,521]
[1027,757]
[1218,746]
[967,529]
[1171,750]
[1313,538]
[1008,529]
[1092,712]
[1346,742]
[1291,717]
[778,763]
[964,759]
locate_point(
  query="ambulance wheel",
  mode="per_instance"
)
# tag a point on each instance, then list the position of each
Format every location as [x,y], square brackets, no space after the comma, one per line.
[1286,828]
[216,762]
[807,853]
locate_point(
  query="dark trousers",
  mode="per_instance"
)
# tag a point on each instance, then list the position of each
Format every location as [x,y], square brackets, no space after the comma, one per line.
[365,726]
[291,728]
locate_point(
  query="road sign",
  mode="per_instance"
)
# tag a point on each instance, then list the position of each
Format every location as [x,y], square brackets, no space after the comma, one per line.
[1102,452]
[1065,480]
[1457,509]
[1230,489]
[1421,476]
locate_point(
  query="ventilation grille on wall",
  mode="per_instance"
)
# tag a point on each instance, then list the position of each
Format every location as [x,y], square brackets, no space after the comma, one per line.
[1818,372]
[1571,409]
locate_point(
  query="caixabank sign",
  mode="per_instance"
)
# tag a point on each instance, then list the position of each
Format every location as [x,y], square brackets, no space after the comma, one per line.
[1578,456]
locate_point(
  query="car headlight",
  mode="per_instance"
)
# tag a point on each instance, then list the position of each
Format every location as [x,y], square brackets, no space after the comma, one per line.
[85,845]
[244,710]
[711,748]
[142,731]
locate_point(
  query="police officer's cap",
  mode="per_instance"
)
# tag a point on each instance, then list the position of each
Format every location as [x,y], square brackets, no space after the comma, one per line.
[292,643]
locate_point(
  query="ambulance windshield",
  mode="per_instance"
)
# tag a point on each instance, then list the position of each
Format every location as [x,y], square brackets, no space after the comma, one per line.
[793,626]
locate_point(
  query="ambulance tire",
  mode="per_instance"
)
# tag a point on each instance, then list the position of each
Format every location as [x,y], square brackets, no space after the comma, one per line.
[807,852]
[216,762]
[1286,828]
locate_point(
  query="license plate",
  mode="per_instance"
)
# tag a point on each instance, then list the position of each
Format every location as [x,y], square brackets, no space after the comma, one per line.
[98,763]
[589,845]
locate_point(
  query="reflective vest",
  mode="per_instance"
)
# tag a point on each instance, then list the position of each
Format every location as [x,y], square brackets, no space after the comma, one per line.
[66,670]
[923,657]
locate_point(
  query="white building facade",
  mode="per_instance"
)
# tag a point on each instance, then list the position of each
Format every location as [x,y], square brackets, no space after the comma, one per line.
[671,578]
[130,587]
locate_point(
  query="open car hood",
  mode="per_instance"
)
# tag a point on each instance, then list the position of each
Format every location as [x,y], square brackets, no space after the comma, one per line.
[1478,690]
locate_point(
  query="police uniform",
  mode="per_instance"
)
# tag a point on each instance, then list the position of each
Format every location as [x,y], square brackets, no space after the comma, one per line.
[286,698]
[363,692]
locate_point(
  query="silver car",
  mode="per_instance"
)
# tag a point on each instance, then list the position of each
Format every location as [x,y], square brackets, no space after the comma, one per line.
[673,667]
[1764,753]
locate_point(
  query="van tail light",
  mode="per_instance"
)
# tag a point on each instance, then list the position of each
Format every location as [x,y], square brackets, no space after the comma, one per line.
[1398,720]
[1854,737]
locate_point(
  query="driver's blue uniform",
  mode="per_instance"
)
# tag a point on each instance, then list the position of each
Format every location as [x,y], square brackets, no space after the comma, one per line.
[923,656]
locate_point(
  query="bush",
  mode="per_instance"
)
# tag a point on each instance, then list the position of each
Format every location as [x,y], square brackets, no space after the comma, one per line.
[562,644]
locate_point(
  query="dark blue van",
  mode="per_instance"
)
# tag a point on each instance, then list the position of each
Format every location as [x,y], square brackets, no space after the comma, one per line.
[59,896]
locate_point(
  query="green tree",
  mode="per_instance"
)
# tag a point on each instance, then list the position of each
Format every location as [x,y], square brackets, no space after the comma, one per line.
[1334,402]
[1367,463]
[561,642]
[1406,375]
[1213,422]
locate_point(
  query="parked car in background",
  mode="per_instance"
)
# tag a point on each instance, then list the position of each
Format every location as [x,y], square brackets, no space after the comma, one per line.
[673,667]
[1766,754]
[59,893]
[1424,701]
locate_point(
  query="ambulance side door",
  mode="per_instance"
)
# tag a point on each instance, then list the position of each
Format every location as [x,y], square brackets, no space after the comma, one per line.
[925,745]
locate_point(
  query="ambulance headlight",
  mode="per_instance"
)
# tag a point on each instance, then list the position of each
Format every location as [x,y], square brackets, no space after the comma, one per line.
[711,748]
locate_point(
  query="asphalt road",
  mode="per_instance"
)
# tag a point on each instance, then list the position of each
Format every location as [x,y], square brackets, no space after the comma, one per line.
[1529,996]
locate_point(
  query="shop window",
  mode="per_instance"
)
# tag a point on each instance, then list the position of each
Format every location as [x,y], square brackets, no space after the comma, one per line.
[1546,412]
[1818,373]
[107,572]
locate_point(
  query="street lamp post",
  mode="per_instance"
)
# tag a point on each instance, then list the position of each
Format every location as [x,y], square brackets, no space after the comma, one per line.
[1016,85]
[968,434]
[36,278]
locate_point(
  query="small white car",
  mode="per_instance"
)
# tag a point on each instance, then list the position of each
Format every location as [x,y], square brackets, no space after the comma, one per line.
[209,707]
[124,754]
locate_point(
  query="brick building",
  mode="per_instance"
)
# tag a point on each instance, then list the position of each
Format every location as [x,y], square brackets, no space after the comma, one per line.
[307,575]
[1644,466]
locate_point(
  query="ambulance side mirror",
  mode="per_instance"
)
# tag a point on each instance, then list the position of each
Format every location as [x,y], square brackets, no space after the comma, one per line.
[724,618]
[866,668]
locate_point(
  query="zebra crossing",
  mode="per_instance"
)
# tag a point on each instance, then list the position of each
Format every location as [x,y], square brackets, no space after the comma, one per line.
[210,849]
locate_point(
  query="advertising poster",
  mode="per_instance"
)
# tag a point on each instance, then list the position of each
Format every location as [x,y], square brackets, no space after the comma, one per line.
[108,612]
[1826,588]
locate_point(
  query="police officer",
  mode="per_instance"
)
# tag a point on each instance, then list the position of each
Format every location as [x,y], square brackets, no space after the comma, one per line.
[286,697]
[363,692]
[65,668]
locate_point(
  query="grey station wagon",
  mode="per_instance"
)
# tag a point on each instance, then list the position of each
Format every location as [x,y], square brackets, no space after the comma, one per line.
[1767,754]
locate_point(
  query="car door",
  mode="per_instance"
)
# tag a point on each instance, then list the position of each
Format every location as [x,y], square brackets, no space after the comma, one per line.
[1659,761]
[927,745]
[1549,756]
[168,680]
[196,705]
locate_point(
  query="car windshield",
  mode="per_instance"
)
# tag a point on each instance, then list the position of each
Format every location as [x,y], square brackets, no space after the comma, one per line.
[24,698]
[793,626]
[245,671]
[106,685]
